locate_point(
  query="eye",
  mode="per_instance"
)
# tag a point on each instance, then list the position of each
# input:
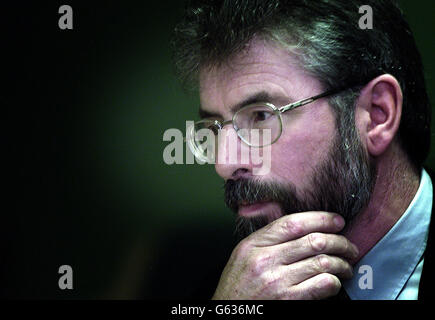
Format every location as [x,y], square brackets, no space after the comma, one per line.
[261,115]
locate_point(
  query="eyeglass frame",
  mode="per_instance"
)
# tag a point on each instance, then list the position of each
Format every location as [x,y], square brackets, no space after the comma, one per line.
[281,110]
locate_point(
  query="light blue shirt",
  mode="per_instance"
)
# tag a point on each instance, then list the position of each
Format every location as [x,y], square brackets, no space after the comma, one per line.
[391,270]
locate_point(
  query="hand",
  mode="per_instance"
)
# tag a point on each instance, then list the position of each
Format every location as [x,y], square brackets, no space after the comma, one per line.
[297,256]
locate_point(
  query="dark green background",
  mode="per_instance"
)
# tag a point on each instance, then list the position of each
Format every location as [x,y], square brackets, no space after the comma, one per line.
[86,184]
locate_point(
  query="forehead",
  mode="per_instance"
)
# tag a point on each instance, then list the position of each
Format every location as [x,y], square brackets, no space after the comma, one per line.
[262,67]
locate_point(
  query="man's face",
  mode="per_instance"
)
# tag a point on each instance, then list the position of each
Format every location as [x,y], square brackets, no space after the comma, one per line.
[306,157]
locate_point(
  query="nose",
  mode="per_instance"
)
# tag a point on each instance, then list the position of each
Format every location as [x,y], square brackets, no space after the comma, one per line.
[232,156]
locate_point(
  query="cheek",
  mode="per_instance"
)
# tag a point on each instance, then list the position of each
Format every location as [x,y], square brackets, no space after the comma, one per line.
[295,155]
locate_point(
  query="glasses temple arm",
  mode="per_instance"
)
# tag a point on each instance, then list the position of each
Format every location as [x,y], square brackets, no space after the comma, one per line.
[309,100]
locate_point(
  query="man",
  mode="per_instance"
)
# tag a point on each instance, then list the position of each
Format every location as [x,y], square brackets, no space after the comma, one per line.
[346,205]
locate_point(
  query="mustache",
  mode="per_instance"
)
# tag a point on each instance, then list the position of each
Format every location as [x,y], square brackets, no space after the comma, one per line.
[248,191]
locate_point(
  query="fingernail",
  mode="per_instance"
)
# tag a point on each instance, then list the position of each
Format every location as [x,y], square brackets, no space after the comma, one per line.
[339,221]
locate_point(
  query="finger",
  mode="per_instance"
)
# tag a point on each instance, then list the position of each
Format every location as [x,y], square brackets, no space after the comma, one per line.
[296,225]
[321,286]
[312,266]
[314,244]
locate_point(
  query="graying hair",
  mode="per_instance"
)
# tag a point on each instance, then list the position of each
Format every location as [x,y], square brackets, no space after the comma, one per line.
[329,44]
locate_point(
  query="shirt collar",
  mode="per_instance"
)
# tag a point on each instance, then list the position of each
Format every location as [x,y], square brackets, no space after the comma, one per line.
[394,258]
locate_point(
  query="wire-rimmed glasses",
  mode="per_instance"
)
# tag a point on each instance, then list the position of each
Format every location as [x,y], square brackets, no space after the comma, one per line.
[250,123]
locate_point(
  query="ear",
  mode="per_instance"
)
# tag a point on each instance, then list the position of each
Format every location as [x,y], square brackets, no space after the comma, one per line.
[380,110]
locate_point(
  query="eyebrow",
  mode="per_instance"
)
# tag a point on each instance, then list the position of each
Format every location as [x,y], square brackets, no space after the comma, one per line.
[261,96]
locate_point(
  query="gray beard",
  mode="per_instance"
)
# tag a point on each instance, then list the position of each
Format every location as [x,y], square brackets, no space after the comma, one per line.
[342,183]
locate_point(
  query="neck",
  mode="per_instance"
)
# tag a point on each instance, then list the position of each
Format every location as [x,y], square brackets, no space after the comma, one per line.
[396,185]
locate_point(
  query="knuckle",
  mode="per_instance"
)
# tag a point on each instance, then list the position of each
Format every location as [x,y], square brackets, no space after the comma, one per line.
[258,263]
[243,248]
[293,227]
[269,280]
[322,263]
[317,241]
